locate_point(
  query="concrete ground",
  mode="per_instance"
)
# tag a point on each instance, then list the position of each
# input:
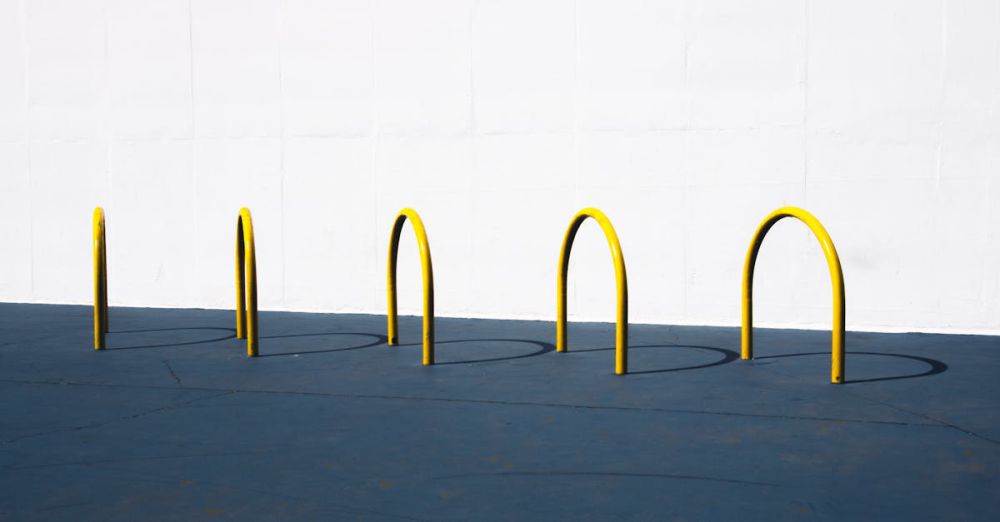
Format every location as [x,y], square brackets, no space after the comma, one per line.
[173,422]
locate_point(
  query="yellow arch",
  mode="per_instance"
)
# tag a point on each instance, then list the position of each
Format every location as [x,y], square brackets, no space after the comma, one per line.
[246,282]
[428,277]
[621,328]
[836,278]
[100,280]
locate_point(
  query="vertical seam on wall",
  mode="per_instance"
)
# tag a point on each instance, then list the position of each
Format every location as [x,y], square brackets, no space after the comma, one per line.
[688,101]
[684,232]
[281,143]
[685,138]
[27,135]
[106,126]
[941,94]
[994,207]
[193,144]
[684,72]
[467,305]
[798,318]
[373,8]
[571,298]
[805,106]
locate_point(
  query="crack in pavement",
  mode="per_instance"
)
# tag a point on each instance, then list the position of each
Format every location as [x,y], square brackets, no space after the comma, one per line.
[938,422]
[31,340]
[167,407]
[172,372]
[516,403]
[134,459]
[929,417]
[159,478]
[603,474]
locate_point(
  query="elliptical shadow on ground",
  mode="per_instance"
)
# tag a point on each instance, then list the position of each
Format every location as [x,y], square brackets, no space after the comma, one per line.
[110,337]
[379,340]
[543,348]
[728,356]
[934,366]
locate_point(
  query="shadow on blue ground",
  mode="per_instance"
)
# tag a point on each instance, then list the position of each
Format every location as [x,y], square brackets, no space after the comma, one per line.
[379,340]
[115,333]
[543,348]
[728,356]
[934,366]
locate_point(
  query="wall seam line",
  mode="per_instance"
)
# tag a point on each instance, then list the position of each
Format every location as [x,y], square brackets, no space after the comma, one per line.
[193,145]
[373,50]
[281,144]
[805,106]
[27,134]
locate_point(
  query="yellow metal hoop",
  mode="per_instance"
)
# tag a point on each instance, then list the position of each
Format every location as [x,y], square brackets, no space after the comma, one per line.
[428,277]
[621,327]
[246,282]
[836,278]
[100,280]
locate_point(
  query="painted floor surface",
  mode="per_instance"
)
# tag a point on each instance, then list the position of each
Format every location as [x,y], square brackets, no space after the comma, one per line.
[173,422]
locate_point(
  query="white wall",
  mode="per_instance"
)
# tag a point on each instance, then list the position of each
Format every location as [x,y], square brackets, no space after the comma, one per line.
[686,122]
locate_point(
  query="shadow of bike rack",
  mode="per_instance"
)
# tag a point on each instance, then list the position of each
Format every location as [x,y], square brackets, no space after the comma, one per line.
[246,285]
[836,278]
[621,285]
[428,278]
[246,282]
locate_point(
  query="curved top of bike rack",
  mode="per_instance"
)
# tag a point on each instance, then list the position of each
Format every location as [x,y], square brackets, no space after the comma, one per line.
[428,279]
[246,282]
[621,285]
[836,278]
[100,279]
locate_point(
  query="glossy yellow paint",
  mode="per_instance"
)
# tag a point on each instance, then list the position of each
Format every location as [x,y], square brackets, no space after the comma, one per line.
[246,282]
[100,280]
[836,278]
[428,277]
[621,285]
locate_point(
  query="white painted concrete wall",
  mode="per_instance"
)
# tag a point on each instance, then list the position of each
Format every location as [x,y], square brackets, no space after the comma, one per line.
[685,121]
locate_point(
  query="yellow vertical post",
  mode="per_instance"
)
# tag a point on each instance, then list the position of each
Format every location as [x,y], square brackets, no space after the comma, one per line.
[428,279]
[836,279]
[246,282]
[621,285]
[100,279]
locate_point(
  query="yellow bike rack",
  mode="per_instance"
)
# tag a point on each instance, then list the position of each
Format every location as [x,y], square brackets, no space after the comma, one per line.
[100,280]
[836,278]
[621,328]
[428,276]
[246,282]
